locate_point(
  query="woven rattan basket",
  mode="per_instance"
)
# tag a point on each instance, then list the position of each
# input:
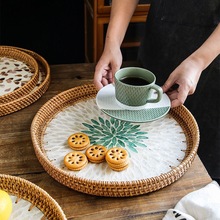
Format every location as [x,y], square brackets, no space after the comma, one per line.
[26,190]
[109,188]
[18,55]
[36,93]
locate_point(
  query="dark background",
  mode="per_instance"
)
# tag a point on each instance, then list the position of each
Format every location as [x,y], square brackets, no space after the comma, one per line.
[54,29]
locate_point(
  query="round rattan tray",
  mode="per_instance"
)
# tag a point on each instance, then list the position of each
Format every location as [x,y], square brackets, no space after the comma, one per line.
[21,61]
[25,190]
[106,185]
[40,87]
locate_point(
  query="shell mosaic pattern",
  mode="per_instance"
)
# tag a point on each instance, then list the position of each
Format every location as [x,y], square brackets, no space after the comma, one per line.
[113,132]
[152,148]
[13,74]
[22,209]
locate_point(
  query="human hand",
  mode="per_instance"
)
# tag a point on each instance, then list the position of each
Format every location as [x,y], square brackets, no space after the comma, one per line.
[182,82]
[106,67]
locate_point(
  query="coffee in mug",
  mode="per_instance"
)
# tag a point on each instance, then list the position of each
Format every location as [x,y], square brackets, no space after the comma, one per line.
[135,81]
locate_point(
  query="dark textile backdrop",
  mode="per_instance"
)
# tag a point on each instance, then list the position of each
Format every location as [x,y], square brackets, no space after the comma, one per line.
[52,28]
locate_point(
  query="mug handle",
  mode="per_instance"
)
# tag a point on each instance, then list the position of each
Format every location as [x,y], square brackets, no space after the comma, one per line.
[159,92]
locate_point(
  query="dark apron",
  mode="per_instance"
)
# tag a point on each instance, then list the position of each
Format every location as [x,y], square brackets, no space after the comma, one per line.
[175,29]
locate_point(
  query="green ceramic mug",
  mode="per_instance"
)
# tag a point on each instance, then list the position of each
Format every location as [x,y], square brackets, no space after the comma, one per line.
[134,87]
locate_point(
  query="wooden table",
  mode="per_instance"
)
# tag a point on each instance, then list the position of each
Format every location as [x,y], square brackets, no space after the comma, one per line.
[17,157]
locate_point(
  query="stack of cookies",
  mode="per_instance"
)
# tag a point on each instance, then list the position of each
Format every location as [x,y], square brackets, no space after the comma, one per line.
[116,157]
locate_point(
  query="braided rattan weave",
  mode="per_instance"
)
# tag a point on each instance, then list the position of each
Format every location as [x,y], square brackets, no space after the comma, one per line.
[26,190]
[36,93]
[108,188]
[19,55]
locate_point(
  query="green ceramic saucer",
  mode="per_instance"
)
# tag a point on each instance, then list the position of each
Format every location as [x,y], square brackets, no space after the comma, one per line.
[107,102]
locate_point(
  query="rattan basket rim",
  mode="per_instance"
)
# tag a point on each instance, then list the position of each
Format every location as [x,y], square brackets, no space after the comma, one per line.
[12,52]
[28,99]
[104,188]
[20,187]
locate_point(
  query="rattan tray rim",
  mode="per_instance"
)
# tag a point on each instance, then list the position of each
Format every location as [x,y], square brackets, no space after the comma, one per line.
[109,188]
[28,99]
[19,187]
[12,52]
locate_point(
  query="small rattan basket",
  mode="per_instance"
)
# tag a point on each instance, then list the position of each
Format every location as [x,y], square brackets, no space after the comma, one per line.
[110,188]
[23,189]
[36,93]
[25,58]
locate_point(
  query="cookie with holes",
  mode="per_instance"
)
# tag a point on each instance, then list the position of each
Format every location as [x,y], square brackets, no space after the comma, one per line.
[78,141]
[75,160]
[96,153]
[117,158]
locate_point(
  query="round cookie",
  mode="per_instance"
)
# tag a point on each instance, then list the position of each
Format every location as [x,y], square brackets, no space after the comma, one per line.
[96,153]
[117,158]
[75,161]
[78,141]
